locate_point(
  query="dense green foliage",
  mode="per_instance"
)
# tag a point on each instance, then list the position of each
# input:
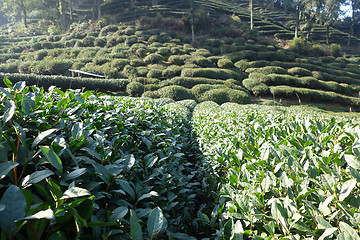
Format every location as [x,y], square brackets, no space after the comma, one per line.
[82,165]
[284,175]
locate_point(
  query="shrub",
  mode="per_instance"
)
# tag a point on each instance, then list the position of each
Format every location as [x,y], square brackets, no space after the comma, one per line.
[135,89]
[100,42]
[175,92]
[178,59]
[71,43]
[189,82]
[151,94]
[119,63]
[146,80]
[88,41]
[299,45]
[214,59]
[25,67]
[223,95]
[177,50]
[164,51]
[142,71]
[130,41]
[110,28]
[261,90]
[246,54]
[242,65]
[212,73]
[199,89]
[200,61]
[40,55]
[336,50]
[52,67]
[268,70]
[250,83]
[260,64]
[136,62]
[129,71]
[201,52]
[225,63]
[154,73]
[153,58]
[299,72]
[100,60]
[171,71]
[188,103]
[140,52]
[151,87]
[36,46]
[9,67]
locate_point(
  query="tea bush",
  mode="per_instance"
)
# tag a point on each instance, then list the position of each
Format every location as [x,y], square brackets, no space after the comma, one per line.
[135,89]
[225,63]
[199,89]
[189,82]
[300,72]
[154,73]
[153,58]
[175,92]
[200,61]
[212,73]
[222,95]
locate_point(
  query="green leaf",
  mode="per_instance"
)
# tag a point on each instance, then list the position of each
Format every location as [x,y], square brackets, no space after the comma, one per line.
[8,83]
[9,113]
[4,150]
[126,187]
[119,213]
[327,233]
[129,162]
[4,91]
[59,235]
[352,161]
[348,230]
[135,228]
[52,157]
[41,136]
[19,86]
[47,214]
[6,167]
[156,222]
[14,202]
[270,227]
[2,207]
[346,189]
[35,177]
[75,192]
[148,195]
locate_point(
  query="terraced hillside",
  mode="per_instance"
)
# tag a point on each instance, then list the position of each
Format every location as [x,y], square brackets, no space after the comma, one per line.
[155,63]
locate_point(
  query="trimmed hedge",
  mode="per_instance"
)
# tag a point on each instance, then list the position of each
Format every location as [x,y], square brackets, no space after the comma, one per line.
[189,82]
[214,73]
[223,95]
[175,92]
[267,70]
[200,61]
[225,63]
[299,72]
[313,95]
[200,89]
[135,89]
[113,85]
[153,58]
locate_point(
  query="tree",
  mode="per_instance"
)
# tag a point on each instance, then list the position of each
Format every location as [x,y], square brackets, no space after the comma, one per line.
[330,14]
[18,9]
[355,5]
[251,14]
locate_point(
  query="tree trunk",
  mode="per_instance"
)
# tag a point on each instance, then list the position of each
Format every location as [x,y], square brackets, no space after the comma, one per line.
[62,12]
[297,24]
[327,33]
[93,9]
[71,9]
[99,9]
[251,15]
[23,9]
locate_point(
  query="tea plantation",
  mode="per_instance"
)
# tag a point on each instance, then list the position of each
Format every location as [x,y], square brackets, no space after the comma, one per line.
[81,165]
[183,138]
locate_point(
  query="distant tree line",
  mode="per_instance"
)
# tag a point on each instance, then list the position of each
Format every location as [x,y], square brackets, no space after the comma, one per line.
[306,13]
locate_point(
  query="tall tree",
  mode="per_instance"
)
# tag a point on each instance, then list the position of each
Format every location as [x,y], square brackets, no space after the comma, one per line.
[355,5]
[18,9]
[251,14]
[330,14]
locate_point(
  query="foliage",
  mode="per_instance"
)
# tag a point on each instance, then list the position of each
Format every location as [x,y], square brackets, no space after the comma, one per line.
[285,174]
[82,165]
